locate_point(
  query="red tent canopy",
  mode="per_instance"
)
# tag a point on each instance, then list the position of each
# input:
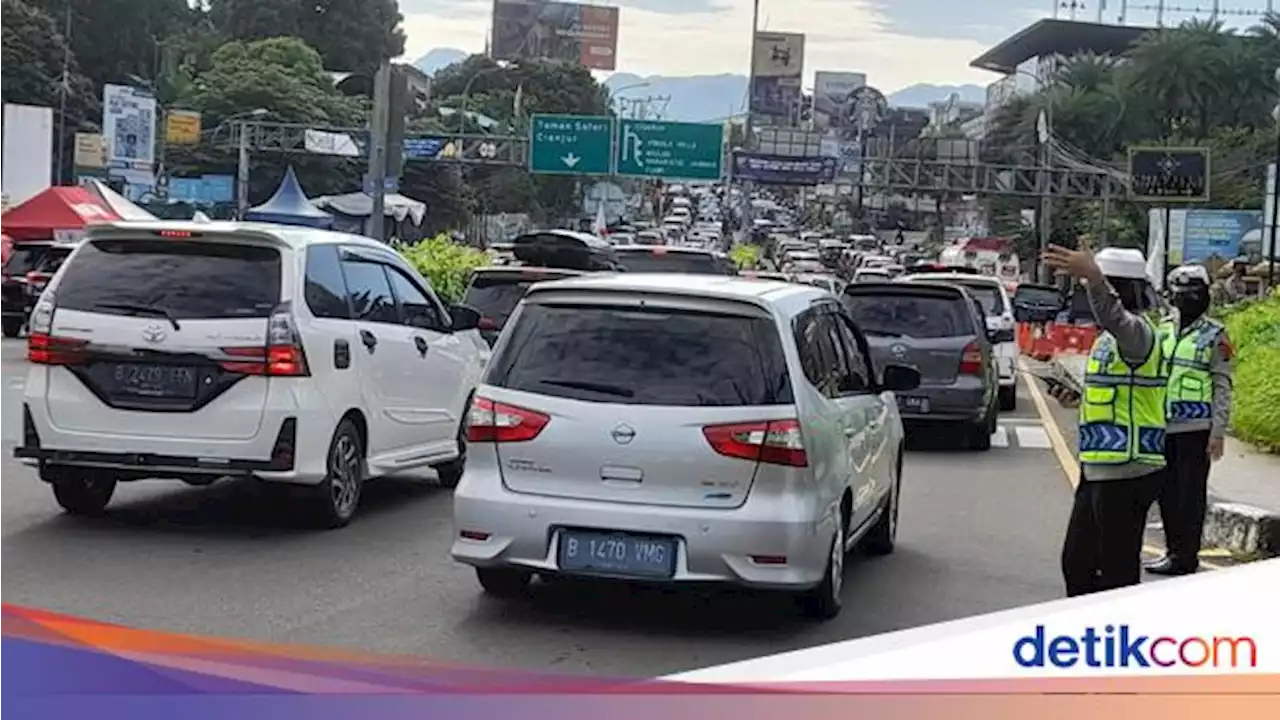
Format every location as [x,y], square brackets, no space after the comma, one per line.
[57,208]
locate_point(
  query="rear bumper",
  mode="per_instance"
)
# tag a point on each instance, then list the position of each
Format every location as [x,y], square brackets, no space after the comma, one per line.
[145,464]
[947,404]
[712,546]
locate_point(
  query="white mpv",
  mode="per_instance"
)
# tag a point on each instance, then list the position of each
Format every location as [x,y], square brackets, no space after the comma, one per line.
[196,351]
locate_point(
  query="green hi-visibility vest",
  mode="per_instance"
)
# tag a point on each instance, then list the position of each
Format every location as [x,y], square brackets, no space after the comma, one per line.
[1122,413]
[1189,355]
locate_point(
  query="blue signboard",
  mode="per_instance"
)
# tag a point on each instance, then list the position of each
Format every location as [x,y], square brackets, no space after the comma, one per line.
[204,190]
[1219,233]
[424,148]
[783,170]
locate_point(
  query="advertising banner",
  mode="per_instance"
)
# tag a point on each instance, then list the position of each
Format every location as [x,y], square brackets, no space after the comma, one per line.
[584,34]
[1206,235]
[90,151]
[129,126]
[831,91]
[182,127]
[777,61]
[783,170]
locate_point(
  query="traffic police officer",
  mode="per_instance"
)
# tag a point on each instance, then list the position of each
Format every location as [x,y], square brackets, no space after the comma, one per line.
[1198,354]
[1122,421]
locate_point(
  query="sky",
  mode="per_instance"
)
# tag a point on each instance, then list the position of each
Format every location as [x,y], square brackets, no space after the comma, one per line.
[896,42]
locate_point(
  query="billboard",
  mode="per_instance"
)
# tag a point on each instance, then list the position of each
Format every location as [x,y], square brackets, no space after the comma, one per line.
[583,34]
[28,151]
[831,91]
[182,127]
[777,64]
[1197,235]
[783,170]
[129,126]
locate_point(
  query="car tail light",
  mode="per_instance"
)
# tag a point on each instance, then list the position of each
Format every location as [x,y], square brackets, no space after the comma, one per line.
[971,360]
[45,348]
[488,323]
[37,278]
[777,442]
[282,356]
[490,421]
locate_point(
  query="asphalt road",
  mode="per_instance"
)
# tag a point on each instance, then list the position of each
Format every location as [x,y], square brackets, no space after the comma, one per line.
[979,532]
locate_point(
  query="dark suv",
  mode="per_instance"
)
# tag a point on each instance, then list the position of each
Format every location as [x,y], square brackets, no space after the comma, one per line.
[666,259]
[26,272]
[496,291]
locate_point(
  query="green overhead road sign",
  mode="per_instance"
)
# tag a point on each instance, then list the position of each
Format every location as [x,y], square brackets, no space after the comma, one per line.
[570,144]
[687,151]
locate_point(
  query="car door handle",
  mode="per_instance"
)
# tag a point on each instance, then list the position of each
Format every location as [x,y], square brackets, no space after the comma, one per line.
[369,339]
[421,344]
[341,354]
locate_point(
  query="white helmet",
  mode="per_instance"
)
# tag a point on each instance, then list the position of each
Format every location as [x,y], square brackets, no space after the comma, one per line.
[1187,277]
[1122,263]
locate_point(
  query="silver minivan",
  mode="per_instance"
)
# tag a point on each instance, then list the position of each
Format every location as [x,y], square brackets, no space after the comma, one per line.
[681,429]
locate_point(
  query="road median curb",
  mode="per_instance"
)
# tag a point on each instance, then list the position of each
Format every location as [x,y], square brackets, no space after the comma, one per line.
[1246,531]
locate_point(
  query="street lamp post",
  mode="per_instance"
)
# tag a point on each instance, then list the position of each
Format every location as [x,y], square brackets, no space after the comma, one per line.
[242,158]
[1275,196]
[466,94]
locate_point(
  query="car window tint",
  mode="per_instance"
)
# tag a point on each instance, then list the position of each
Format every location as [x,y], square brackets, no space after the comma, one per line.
[188,279]
[919,316]
[496,294]
[840,369]
[859,379]
[326,291]
[24,259]
[651,356]
[416,309]
[370,293]
[673,262]
[988,296]
[818,355]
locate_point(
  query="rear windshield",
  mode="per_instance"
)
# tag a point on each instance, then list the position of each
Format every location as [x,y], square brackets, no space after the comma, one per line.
[988,295]
[24,259]
[696,263]
[186,279]
[918,316]
[655,356]
[496,295]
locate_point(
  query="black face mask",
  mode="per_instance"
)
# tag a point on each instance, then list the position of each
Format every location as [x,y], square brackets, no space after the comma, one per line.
[1190,305]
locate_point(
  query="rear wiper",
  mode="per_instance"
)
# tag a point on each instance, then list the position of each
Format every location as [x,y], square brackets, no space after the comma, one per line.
[603,388]
[144,309]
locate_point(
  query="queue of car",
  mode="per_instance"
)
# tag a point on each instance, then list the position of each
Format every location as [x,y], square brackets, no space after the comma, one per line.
[632,410]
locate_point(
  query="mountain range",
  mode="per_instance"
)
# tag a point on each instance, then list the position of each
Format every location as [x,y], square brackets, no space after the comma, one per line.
[703,98]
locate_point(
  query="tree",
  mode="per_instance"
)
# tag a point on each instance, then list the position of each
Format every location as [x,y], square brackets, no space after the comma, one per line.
[116,40]
[34,53]
[284,77]
[350,35]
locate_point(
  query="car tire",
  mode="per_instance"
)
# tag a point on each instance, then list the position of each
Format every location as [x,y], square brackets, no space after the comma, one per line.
[883,536]
[450,473]
[824,601]
[1009,398]
[338,495]
[979,433]
[12,326]
[81,492]
[504,582]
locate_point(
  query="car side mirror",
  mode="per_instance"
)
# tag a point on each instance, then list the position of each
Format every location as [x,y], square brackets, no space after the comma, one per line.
[464,318]
[900,378]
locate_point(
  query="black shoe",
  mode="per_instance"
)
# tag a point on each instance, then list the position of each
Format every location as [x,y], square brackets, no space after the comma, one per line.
[1170,567]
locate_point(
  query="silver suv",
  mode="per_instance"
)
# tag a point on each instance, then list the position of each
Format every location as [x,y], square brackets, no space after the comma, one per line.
[675,428]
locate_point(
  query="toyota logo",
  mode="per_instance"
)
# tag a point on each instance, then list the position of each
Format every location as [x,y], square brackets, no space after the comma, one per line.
[154,333]
[623,434]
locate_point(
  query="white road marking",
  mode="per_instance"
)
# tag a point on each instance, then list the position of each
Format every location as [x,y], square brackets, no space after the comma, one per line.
[1033,437]
[1022,421]
[1000,438]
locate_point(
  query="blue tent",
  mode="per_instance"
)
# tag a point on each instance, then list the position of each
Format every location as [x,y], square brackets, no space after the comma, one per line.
[290,206]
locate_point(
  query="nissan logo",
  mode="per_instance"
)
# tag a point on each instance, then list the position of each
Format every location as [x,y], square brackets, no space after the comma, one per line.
[154,333]
[623,434]
[899,350]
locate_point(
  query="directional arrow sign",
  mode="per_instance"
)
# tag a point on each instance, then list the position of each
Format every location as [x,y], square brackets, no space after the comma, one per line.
[687,151]
[570,144]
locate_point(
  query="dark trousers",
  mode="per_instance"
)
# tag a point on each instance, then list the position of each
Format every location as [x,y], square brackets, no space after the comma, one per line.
[1182,499]
[1103,546]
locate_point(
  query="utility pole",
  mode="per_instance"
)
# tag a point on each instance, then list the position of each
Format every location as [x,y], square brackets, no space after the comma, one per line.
[377,176]
[242,172]
[62,93]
